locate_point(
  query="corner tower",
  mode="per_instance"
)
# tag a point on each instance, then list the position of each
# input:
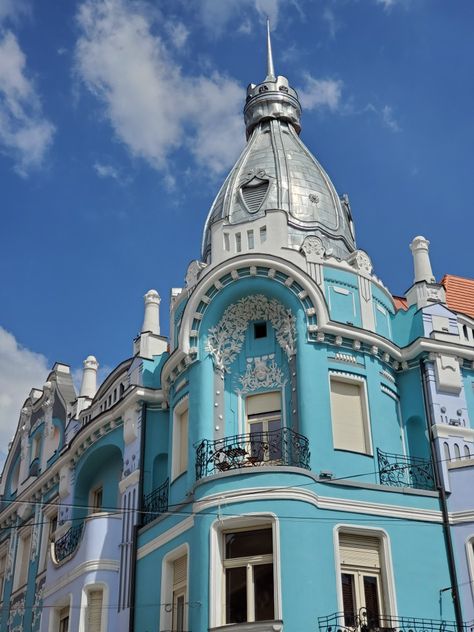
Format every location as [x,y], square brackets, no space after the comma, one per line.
[276,179]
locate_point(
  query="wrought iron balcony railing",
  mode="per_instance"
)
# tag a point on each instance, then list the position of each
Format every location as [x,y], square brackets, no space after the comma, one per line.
[155,503]
[365,622]
[404,471]
[276,447]
[67,544]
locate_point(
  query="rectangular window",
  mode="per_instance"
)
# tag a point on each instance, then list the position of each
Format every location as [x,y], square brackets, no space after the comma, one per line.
[64,620]
[94,610]
[24,544]
[264,425]
[361,578]
[248,568]
[250,239]
[238,242]
[349,416]
[226,242]
[263,234]
[96,502]
[180,569]
[3,566]
[180,442]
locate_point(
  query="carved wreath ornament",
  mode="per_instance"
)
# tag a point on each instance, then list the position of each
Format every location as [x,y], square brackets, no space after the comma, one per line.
[225,340]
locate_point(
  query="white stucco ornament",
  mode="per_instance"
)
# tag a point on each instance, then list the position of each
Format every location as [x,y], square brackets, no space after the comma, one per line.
[313,248]
[193,272]
[261,373]
[225,340]
[360,260]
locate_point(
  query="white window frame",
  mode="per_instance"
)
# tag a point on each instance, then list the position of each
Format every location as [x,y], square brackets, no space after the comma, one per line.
[167,587]
[177,467]
[55,613]
[4,553]
[104,587]
[470,560]
[387,578]
[352,378]
[217,569]
[92,497]
[49,512]
[26,531]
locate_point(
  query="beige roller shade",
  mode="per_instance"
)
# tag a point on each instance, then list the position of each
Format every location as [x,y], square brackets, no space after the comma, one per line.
[263,403]
[348,416]
[358,550]
[94,611]
[179,570]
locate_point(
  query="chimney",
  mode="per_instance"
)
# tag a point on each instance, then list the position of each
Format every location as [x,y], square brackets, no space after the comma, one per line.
[421,260]
[89,377]
[151,320]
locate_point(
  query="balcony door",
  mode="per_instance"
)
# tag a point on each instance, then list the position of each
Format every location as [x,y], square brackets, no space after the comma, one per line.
[264,425]
[361,580]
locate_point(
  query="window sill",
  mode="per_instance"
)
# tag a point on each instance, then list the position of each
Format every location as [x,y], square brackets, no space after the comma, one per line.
[256,626]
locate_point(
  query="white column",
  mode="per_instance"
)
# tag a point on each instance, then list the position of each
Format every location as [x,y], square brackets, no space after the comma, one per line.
[151,320]
[89,377]
[421,260]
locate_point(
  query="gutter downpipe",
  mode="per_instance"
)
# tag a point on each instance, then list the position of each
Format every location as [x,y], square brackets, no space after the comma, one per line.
[444,507]
[138,522]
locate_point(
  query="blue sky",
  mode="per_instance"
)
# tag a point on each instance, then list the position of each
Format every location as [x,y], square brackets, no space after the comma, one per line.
[120,119]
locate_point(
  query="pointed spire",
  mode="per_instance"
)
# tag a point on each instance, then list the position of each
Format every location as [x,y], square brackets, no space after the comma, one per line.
[270,69]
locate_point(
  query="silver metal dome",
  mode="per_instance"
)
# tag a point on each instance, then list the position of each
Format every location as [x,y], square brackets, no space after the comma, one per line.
[277,172]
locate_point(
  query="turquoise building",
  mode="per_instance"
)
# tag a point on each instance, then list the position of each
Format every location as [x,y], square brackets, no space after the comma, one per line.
[296,456]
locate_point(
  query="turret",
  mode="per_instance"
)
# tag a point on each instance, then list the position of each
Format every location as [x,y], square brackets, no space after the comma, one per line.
[149,342]
[424,290]
[89,377]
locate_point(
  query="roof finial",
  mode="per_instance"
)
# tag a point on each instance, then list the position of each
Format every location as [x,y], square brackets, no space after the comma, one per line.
[270,69]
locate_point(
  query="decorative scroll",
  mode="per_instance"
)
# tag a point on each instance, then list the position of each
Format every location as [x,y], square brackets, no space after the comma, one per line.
[225,340]
[258,449]
[403,471]
[155,503]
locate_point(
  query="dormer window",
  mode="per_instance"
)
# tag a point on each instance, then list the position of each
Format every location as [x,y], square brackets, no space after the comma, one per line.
[253,194]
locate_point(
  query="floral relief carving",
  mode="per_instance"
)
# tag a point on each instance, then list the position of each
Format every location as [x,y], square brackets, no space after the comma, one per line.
[37,606]
[361,261]
[225,340]
[313,246]
[261,373]
[17,611]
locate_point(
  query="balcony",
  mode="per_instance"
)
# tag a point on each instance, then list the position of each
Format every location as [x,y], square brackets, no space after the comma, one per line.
[155,503]
[257,449]
[65,546]
[97,537]
[399,470]
[365,622]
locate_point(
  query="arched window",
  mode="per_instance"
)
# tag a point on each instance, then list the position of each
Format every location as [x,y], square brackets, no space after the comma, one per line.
[457,452]
[447,454]
[467,452]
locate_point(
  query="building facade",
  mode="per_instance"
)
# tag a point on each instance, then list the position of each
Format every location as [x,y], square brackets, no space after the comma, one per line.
[297,455]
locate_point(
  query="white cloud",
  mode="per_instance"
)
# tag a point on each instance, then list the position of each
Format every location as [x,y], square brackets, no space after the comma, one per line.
[152,105]
[20,371]
[319,93]
[25,134]
[13,9]
[178,34]
[216,14]
[331,21]
[389,119]
[106,171]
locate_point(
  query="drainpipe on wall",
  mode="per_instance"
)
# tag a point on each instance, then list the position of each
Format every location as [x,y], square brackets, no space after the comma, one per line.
[137,525]
[444,506]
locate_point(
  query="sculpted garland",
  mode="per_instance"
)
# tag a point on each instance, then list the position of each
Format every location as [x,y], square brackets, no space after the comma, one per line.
[225,340]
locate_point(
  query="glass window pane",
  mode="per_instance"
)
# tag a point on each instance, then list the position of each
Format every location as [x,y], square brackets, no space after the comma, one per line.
[348,600]
[236,594]
[248,543]
[371,600]
[263,582]
[180,614]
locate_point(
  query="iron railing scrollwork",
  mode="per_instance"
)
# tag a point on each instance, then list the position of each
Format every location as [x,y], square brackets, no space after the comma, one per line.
[399,470]
[67,544]
[155,503]
[363,621]
[277,447]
